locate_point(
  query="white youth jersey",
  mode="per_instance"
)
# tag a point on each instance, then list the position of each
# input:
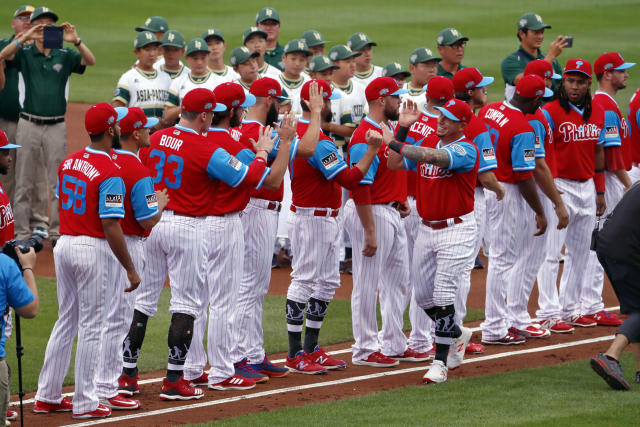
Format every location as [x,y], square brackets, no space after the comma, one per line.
[160,66]
[416,95]
[365,78]
[226,76]
[268,70]
[145,90]
[349,109]
[293,89]
[180,87]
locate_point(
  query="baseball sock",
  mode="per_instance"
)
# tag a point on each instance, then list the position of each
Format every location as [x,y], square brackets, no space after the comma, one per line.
[446,331]
[179,341]
[133,343]
[295,316]
[316,310]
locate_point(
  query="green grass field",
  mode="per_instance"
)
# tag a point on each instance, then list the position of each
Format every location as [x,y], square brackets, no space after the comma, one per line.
[397,27]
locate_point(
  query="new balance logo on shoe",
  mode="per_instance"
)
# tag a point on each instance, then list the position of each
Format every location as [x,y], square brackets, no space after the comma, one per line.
[321,360]
[302,365]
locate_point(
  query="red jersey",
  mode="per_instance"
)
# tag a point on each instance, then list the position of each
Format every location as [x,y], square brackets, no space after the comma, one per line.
[634,126]
[616,133]
[385,185]
[89,189]
[424,127]
[447,193]
[574,141]
[312,183]
[6,218]
[513,140]
[140,202]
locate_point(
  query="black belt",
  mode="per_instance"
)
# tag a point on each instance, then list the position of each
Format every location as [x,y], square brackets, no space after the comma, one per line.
[41,121]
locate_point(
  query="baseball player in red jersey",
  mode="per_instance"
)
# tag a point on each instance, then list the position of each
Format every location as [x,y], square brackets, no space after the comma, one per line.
[579,156]
[189,169]
[633,118]
[6,213]
[91,194]
[226,244]
[373,221]
[315,232]
[509,219]
[447,171]
[260,222]
[611,72]
[143,208]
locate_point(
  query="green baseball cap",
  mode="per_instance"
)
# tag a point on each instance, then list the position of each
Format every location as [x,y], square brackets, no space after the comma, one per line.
[313,38]
[145,38]
[43,11]
[24,10]
[155,24]
[340,51]
[393,69]
[212,32]
[297,45]
[321,63]
[359,40]
[449,36]
[267,13]
[531,21]
[240,55]
[173,38]
[251,31]
[196,45]
[422,54]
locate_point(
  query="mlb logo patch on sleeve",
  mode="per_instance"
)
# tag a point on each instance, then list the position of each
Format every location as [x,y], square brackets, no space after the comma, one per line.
[152,201]
[488,154]
[235,163]
[529,155]
[458,149]
[113,200]
[611,132]
[330,161]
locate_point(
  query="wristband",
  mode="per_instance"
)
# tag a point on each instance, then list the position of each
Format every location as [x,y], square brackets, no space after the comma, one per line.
[598,179]
[78,43]
[16,43]
[396,146]
[401,133]
[27,268]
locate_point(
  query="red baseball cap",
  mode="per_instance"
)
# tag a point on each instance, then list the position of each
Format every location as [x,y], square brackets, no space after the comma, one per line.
[611,61]
[102,116]
[381,87]
[324,87]
[541,68]
[135,120]
[456,110]
[469,78]
[532,86]
[201,100]
[440,88]
[232,96]
[4,142]
[266,87]
[577,65]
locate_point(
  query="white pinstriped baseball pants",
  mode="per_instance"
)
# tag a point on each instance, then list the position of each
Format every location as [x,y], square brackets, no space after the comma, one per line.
[116,325]
[225,249]
[386,273]
[85,267]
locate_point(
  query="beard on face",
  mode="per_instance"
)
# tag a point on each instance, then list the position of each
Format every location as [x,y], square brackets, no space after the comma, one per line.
[272,114]
[236,118]
[391,113]
[327,115]
[115,142]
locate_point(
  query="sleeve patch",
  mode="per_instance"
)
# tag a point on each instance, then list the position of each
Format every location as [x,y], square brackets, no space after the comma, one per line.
[235,163]
[113,200]
[152,201]
[488,154]
[458,149]
[529,155]
[611,132]
[330,160]
[537,143]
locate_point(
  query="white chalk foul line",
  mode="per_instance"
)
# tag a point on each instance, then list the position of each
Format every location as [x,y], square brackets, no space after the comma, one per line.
[334,382]
[331,353]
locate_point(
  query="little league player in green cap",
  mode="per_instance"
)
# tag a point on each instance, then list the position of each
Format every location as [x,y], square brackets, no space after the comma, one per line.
[451,48]
[256,41]
[217,45]
[295,56]
[245,64]
[321,68]
[314,41]
[156,24]
[268,20]
[365,70]
[423,65]
[172,47]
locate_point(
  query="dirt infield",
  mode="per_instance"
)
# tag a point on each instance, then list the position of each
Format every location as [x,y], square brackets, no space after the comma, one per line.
[298,390]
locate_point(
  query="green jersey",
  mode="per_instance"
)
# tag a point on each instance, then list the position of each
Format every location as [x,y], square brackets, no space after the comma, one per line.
[9,103]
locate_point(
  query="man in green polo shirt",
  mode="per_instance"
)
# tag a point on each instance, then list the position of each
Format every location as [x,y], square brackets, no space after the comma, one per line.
[531,35]
[268,20]
[451,46]
[41,126]
[156,24]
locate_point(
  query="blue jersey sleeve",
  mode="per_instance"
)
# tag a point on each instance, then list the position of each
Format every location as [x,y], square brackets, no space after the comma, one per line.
[549,119]
[112,193]
[487,154]
[523,156]
[612,128]
[143,199]
[246,156]
[462,156]
[276,146]
[540,134]
[17,292]
[226,168]
[327,159]
[356,152]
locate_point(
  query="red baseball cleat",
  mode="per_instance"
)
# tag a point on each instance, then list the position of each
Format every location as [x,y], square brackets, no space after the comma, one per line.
[179,390]
[377,360]
[604,318]
[100,412]
[323,359]
[121,403]
[235,382]
[302,364]
[40,407]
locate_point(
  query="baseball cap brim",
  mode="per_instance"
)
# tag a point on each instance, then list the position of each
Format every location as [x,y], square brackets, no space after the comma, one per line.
[140,29]
[556,76]
[400,92]
[121,112]
[547,93]
[318,43]
[538,27]
[219,108]
[464,39]
[249,100]
[486,81]
[151,121]
[9,146]
[334,95]
[625,66]
[579,72]
[447,114]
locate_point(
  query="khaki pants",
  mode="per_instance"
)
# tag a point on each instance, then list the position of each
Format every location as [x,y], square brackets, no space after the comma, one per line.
[43,148]
[5,394]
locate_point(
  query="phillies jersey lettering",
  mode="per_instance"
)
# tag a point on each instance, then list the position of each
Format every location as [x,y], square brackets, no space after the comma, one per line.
[140,201]
[6,218]
[512,138]
[449,192]
[89,188]
[312,182]
[634,129]
[574,140]
[424,127]
[386,185]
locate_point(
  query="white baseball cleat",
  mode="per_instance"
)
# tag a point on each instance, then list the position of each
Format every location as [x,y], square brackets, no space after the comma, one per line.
[436,374]
[457,348]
